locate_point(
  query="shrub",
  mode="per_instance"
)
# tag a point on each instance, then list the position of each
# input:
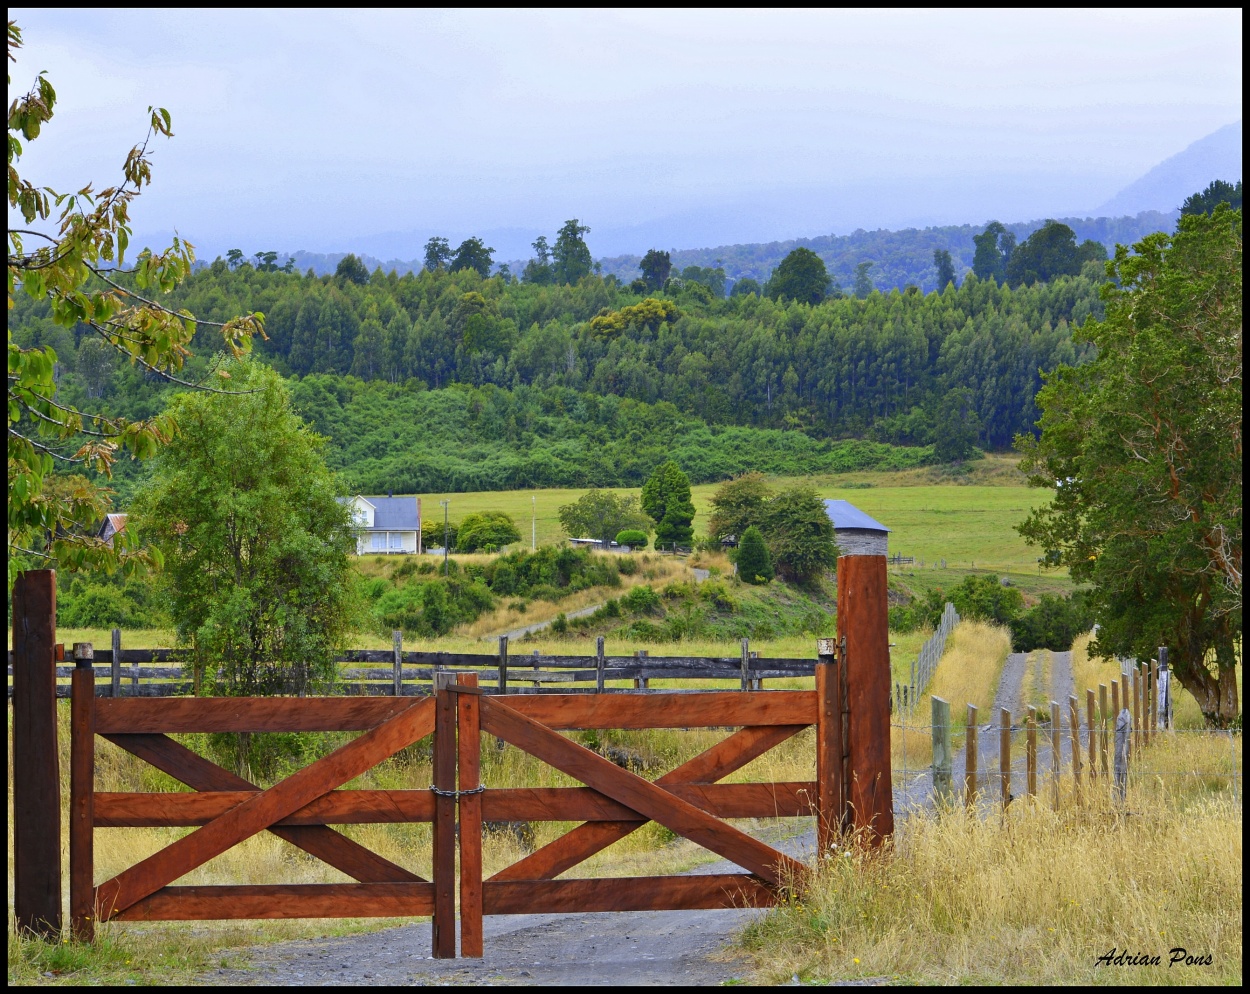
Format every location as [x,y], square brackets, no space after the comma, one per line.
[635,538]
[490,530]
[627,566]
[641,600]
[1053,623]
[754,563]
[800,535]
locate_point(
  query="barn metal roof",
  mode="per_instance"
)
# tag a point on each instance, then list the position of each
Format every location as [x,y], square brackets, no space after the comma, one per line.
[844,515]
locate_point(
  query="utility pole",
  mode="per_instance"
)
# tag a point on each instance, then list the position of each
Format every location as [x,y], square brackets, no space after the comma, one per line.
[445,533]
[534,524]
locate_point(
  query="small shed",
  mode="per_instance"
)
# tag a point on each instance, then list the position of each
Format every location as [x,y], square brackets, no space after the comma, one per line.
[856,532]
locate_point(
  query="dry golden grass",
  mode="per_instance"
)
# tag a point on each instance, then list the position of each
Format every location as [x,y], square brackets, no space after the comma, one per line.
[967,673]
[1031,897]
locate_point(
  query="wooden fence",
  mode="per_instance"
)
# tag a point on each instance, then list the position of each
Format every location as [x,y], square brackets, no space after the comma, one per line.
[905,695]
[398,672]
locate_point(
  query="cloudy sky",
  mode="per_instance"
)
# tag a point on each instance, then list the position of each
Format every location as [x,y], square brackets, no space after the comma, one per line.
[331,131]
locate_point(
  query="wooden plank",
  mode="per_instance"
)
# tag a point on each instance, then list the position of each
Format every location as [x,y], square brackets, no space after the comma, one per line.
[1030,754]
[641,795]
[339,807]
[828,753]
[81,808]
[36,766]
[1004,756]
[468,744]
[737,800]
[970,757]
[269,806]
[666,710]
[185,766]
[247,714]
[443,928]
[688,893]
[722,759]
[375,900]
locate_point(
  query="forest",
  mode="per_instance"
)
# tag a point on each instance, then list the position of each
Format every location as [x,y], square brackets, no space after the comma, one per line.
[595,382]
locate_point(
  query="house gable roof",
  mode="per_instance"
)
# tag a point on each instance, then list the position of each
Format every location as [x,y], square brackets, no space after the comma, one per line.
[394,513]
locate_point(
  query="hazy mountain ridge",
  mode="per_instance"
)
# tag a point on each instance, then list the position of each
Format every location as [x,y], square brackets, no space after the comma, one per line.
[1217,156]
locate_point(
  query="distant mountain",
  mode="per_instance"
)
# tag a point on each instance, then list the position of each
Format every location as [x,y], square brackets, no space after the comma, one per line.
[1165,187]
[898,257]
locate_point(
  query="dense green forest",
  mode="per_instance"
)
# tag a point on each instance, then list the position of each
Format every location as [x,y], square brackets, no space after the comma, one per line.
[593,383]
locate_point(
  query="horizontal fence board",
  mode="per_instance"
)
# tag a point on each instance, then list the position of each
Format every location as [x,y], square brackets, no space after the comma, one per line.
[668,710]
[246,714]
[736,800]
[339,807]
[283,901]
[691,893]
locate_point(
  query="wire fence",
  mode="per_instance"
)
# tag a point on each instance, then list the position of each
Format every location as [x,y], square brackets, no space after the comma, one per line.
[905,695]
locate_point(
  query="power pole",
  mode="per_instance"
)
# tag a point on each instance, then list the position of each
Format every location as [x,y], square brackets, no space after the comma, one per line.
[445,533]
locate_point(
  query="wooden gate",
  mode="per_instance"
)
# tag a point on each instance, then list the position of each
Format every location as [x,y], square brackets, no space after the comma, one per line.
[226,809]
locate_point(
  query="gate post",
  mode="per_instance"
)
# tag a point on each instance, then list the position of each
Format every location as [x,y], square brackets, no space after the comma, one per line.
[82,794]
[469,745]
[863,621]
[830,796]
[443,927]
[36,769]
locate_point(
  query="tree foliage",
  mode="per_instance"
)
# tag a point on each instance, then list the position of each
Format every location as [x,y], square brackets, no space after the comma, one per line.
[753,561]
[1142,450]
[571,260]
[486,530]
[655,266]
[666,500]
[994,247]
[800,535]
[257,545]
[801,277]
[473,254]
[1050,252]
[739,504]
[945,268]
[68,257]
[1217,192]
[601,514]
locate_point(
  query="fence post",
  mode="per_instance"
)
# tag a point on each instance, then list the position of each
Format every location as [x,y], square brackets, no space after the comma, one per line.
[943,765]
[1090,721]
[746,664]
[829,787]
[82,794]
[1135,742]
[503,664]
[1115,700]
[1123,730]
[397,643]
[757,682]
[1154,699]
[1074,716]
[1102,728]
[641,682]
[1004,754]
[970,758]
[36,768]
[115,668]
[534,683]
[600,665]
[1166,687]
[1030,753]
[863,621]
[469,748]
[444,925]
[1056,750]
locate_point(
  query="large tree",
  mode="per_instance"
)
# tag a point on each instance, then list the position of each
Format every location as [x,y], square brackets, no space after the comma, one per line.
[666,499]
[1217,192]
[655,266]
[1049,252]
[571,256]
[738,504]
[995,246]
[473,254]
[1142,449]
[945,268]
[800,535]
[70,252]
[256,543]
[801,276]
[601,514]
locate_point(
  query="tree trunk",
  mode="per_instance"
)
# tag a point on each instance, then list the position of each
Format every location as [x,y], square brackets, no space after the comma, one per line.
[1216,694]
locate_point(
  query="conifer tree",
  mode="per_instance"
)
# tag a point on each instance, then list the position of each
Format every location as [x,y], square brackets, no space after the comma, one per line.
[754,563]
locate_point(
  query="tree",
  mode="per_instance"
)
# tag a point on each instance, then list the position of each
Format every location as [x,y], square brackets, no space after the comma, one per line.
[634,538]
[739,504]
[995,246]
[1049,252]
[234,258]
[957,427]
[538,270]
[1141,447]
[473,254]
[800,535]
[984,598]
[352,270]
[863,282]
[1217,192]
[437,254]
[572,257]
[655,266]
[945,269]
[256,543]
[76,267]
[801,276]
[266,262]
[666,499]
[753,562]
[486,530]
[601,514]
[745,285]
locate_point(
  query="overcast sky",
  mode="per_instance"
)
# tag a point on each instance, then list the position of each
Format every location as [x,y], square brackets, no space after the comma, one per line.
[328,130]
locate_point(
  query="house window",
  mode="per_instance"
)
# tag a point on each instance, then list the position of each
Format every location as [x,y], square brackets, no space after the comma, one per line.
[397,542]
[377,542]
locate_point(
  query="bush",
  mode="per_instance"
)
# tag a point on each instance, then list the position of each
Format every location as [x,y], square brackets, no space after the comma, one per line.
[627,565]
[641,600]
[754,562]
[800,535]
[635,538]
[1053,623]
[489,530]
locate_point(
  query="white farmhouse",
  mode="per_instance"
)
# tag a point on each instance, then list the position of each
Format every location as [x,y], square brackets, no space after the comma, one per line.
[386,524]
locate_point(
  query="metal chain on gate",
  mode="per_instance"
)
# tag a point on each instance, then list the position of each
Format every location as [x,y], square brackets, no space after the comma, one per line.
[458,793]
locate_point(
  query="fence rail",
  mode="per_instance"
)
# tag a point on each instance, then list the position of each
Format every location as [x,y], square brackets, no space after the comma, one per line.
[165,672]
[905,695]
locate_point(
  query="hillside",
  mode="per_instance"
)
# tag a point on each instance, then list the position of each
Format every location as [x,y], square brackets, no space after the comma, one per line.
[1165,187]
